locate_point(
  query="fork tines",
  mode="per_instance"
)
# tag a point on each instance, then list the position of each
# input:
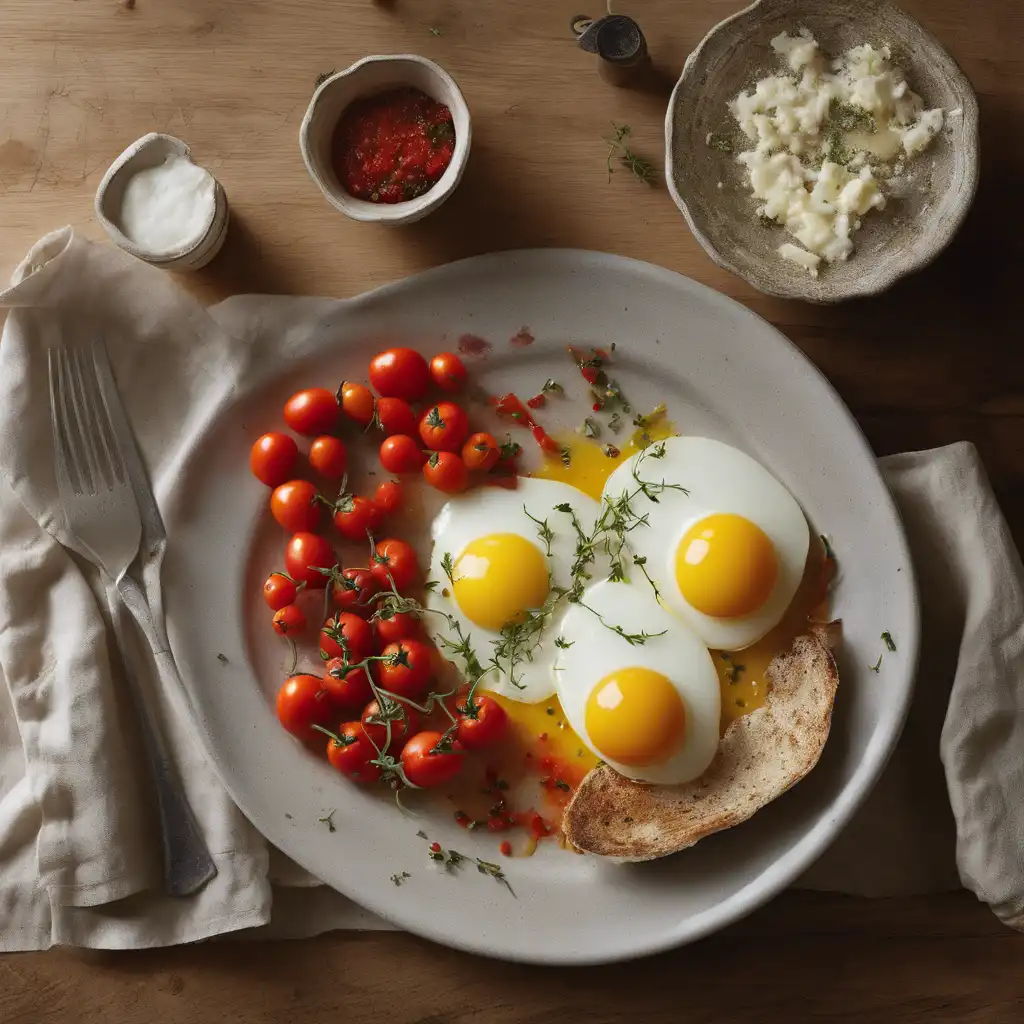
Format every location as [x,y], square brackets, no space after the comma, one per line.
[87,454]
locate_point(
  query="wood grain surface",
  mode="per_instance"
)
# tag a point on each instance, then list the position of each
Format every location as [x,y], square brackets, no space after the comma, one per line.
[936,360]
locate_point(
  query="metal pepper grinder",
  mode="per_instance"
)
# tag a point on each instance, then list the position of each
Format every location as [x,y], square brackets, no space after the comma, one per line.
[622,57]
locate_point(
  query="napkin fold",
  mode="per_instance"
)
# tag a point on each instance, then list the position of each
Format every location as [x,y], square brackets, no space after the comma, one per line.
[79,851]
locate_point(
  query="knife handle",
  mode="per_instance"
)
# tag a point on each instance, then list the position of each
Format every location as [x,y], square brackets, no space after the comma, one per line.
[187,863]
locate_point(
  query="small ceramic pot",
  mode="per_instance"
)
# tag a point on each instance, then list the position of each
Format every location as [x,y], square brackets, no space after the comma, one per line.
[151,151]
[364,78]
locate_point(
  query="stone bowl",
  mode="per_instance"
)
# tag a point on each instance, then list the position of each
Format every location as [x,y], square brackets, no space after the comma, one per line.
[925,206]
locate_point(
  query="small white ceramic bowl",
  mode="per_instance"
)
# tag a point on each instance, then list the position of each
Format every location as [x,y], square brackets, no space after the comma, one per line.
[151,151]
[365,78]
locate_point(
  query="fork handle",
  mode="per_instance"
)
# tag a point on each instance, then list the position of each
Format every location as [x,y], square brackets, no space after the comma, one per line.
[186,860]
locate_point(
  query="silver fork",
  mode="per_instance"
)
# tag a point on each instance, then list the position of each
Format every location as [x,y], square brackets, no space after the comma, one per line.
[103,518]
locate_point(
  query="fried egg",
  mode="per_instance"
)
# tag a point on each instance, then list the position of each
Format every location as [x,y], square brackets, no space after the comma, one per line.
[502,559]
[723,541]
[649,705]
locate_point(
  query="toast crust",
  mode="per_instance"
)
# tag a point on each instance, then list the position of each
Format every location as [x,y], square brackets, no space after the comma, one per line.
[760,756]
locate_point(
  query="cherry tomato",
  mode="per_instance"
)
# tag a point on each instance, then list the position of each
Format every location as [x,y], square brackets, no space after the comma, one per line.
[481,451]
[400,373]
[355,516]
[279,590]
[443,427]
[356,402]
[401,727]
[302,703]
[349,686]
[388,497]
[289,619]
[408,670]
[272,458]
[356,632]
[304,554]
[327,455]
[395,560]
[446,472]
[313,411]
[426,768]
[395,416]
[483,724]
[401,454]
[396,627]
[351,753]
[448,371]
[295,506]
[354,590]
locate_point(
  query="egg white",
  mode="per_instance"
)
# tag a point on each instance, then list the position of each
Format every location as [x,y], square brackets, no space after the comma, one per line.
[595,651]
[493,510]
[718,478]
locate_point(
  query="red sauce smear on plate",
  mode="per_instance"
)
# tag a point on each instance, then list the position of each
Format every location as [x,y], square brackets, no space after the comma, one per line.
[472,345]
[394,146]
[522,338]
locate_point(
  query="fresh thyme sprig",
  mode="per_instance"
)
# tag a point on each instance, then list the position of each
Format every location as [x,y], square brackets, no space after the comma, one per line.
[649,489]
[448,566]
[641,564]
[617,147]
[633,639]
[520,639]
[544,531]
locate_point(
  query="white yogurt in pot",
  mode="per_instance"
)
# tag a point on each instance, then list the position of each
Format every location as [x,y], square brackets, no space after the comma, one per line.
[169,207]
[159,205]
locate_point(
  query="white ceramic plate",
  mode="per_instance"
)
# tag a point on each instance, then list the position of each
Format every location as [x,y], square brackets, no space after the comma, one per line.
[723,372]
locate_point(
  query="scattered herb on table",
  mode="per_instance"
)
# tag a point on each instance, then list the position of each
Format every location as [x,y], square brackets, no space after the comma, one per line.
[400,877]
[328,820]
[888,640]
[877,665]
[619,149]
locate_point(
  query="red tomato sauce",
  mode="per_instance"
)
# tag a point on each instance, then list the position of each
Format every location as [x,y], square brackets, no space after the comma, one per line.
[394,146]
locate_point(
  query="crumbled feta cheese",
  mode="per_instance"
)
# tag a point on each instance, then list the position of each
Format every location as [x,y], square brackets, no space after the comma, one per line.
[806,259]
[821,134]
[918,136]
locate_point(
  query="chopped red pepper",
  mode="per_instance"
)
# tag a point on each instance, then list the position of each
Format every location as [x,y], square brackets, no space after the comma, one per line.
[510,405]
[505,849]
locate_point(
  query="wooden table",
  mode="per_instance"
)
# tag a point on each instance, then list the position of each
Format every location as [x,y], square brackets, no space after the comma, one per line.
[931,362]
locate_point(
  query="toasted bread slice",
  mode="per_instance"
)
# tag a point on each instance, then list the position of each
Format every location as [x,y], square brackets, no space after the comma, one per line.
[760,756]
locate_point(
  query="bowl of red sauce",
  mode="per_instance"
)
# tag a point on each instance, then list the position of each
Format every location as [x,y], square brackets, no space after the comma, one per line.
[387,139]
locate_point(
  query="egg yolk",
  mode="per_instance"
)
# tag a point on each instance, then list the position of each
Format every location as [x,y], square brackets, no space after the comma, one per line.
[498,579]
[635,716]
[726,566]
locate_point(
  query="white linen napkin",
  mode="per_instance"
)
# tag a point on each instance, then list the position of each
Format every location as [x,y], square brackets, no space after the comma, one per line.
[79,858]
